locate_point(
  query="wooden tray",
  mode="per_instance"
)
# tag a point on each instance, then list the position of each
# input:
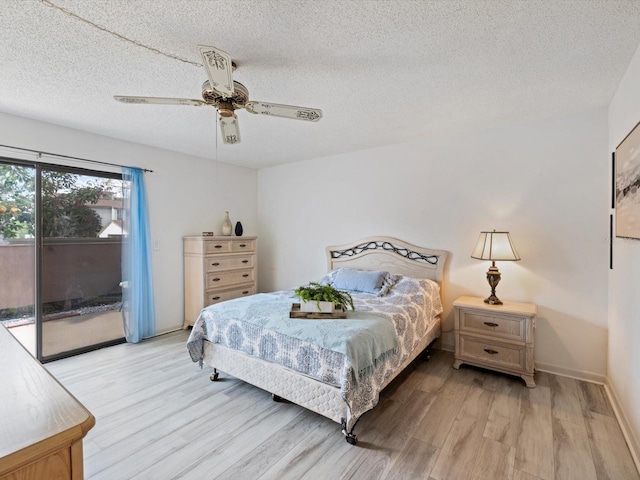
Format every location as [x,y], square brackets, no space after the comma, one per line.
[296,313]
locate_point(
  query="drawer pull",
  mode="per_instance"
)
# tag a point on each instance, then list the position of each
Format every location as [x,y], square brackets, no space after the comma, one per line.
[218,246]
[245,275]
[215,264]
[215,279]
[490,352]
[245,292]
[242,245]
[491,324]
[215,298]
[245,261]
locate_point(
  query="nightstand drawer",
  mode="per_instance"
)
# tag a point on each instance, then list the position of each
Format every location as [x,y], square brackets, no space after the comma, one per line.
[496,325]
[504,355]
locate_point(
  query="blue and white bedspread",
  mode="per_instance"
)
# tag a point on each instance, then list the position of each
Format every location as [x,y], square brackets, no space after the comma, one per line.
[358,354]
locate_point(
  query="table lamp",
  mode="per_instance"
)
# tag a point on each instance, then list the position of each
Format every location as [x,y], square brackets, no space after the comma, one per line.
[494,246]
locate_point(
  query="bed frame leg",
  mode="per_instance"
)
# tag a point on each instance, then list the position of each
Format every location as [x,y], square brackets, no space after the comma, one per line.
[214,376]
[350,437]
[279,399]
[427,351]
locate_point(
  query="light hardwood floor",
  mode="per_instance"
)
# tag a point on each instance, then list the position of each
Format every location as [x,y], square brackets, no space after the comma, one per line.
[159,417]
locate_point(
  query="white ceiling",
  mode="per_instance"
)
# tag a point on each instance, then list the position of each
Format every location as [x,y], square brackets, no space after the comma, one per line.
[382,71]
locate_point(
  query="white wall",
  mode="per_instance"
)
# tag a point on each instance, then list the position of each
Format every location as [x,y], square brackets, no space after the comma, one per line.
[186,195]
[624,279]
[544,181]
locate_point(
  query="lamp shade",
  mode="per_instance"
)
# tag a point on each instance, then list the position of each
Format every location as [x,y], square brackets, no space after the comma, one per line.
[495,246]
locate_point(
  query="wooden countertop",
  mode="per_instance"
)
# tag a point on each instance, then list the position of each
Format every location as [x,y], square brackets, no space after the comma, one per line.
[37,414]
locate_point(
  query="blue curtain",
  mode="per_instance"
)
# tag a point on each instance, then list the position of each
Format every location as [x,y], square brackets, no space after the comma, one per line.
[137,293]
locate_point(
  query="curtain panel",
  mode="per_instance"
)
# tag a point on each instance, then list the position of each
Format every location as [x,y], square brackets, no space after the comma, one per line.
[138,303]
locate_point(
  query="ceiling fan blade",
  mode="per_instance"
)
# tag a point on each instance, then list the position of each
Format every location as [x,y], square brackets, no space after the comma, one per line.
[159,100]
[219,69]
[229,129]
[286,111]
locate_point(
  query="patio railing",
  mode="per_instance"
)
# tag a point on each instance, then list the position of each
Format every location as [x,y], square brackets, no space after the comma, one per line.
[73,270]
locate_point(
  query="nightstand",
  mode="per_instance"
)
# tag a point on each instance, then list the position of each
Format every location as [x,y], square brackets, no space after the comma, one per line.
[498,337]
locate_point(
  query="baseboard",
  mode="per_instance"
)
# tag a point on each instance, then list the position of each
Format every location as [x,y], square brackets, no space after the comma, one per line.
[446,341]
[164,331]
[571,373]
[627,431]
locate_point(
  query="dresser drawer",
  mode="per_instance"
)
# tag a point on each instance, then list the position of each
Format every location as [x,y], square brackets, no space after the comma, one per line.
[496,325]
[227,246]
[223,279]
[243,245]
[217,246]
[217,297]
[496,353]
[217,263]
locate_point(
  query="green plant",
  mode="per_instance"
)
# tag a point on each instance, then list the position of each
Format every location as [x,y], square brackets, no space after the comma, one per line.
[324,293]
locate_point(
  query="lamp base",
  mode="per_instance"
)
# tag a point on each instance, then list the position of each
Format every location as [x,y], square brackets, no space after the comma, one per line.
[493,300]
[493,277]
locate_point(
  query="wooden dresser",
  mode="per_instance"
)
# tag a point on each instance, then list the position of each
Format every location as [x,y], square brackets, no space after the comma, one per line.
[41,424]
[499,337]
[216,269]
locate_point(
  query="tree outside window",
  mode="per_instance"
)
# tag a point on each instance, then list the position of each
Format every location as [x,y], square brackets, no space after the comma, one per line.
[66,203]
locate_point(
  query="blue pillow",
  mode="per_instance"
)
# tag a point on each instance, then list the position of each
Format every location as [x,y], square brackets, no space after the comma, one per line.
[359,280]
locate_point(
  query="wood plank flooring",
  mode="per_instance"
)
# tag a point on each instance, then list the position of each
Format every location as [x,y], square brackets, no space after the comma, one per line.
[158,416]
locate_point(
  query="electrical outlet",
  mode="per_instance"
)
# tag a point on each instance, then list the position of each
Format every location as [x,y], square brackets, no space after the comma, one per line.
[156,245]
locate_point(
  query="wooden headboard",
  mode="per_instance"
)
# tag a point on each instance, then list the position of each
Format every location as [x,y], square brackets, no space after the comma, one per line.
[391,255]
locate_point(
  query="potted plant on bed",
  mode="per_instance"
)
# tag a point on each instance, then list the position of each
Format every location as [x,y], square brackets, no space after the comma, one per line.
[316,297]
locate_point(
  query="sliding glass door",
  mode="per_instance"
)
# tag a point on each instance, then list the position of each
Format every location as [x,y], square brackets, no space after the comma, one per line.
[74,231]
[81,245]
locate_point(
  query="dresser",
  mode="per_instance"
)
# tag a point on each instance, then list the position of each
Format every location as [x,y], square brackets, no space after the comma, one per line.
[498,337]
[216,269]
[41,424]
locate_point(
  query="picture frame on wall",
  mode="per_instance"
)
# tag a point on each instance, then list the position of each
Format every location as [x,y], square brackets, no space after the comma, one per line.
[627,183]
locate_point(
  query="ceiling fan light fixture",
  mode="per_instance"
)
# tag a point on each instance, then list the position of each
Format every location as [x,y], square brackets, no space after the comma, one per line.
[227,95]
[226,109]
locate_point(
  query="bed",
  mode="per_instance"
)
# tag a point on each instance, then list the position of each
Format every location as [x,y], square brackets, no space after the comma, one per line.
[323,365]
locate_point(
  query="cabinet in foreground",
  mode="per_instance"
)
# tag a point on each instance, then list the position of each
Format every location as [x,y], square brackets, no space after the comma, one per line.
[42,424]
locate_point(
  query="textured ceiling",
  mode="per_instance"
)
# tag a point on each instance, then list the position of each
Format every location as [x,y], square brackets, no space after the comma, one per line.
[382,71]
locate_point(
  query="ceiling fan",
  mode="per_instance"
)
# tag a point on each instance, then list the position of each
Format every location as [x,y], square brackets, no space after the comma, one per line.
[227,95]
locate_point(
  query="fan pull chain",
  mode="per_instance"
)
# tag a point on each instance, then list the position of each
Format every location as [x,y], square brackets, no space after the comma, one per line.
[115,34]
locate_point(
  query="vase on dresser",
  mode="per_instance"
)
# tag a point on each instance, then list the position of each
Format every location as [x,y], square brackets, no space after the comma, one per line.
[226,225]
[238,229]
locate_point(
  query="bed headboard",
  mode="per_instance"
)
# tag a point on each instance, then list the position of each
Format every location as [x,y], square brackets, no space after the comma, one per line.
[391,255]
